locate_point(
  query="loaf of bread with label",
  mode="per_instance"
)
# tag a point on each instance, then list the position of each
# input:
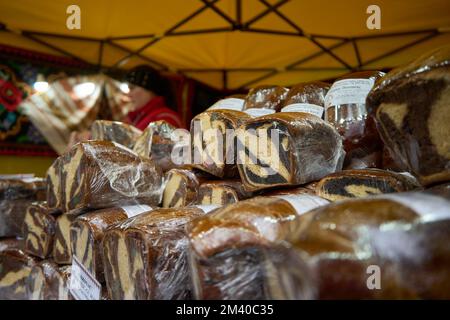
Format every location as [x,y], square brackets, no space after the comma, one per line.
[345,109]
[363,183]
[307,97]
[62,247]
[221,192]
[264,100]
[213,141]
[233,102]
[371,248]
[48,281]
[411,105]
[39,230]
[287,149]
[181,187]
[102,174]
[157,142]
[222,266]
[115,131]
[145,257]
[15,267]
[87,232]
[15,197]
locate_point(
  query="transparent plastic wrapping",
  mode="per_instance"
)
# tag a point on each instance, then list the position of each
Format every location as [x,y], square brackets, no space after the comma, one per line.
[222,192]
[25,188]
[15,267]
[412,115]
[39,228]
[363,183]
[157,142]
[213,141]
[145,257]
[266,97]
[15,197]
[307,97]
[287,149]
[88,230]
[345,109]
[372,248]
[181,188]
[116,131]
[48,281]
[100,174]
[223,263]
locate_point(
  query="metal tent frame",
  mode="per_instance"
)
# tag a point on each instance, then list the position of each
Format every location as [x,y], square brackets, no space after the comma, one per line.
[235,23]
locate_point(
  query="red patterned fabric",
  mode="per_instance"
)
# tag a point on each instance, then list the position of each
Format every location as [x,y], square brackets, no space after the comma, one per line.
[154,110]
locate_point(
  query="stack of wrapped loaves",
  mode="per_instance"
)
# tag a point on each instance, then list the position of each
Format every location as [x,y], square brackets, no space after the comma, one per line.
[319,191]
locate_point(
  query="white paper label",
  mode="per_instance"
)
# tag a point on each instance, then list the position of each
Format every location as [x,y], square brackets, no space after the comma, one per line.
[348,91]
[207,207]
[83,285]
[428,206]
[229,104]
[258,112]
[132,211]
[310,108]
[303,203]
[27,177]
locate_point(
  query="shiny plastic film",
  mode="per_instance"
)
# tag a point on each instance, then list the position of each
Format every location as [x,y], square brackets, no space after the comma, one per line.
[345,109]
[145,257]
[15,197]
[99,174]
[213,141]
[157,142]
[307,97]
[116,131]
[224,264]
[372,248]
[287,149]
[419,143]
[364,183]
[266,98]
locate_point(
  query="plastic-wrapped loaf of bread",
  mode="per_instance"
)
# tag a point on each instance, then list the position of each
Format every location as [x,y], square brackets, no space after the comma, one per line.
[345,109]
[223,262]
[363,183]
[307,97]
[371,248]
[157,142]
[87,232]
[15,197]
[213,141]
[181,187]
[62,246]
[15,267]
[221,192]
[287,149]
[39,230]
[23,188]
[411,105]
[48,281]
[145,257]
[264,100]
[115,131]
[101,174]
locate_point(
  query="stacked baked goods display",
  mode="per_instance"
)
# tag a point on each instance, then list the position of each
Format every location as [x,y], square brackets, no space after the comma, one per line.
[319,191]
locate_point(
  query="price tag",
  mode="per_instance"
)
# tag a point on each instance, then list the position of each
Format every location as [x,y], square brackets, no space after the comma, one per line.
[83,285]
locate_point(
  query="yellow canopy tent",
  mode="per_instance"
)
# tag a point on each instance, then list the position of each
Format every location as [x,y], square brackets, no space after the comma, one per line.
[232,43]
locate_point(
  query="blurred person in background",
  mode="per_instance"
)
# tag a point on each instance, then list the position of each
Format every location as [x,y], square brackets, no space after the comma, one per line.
[150,96]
